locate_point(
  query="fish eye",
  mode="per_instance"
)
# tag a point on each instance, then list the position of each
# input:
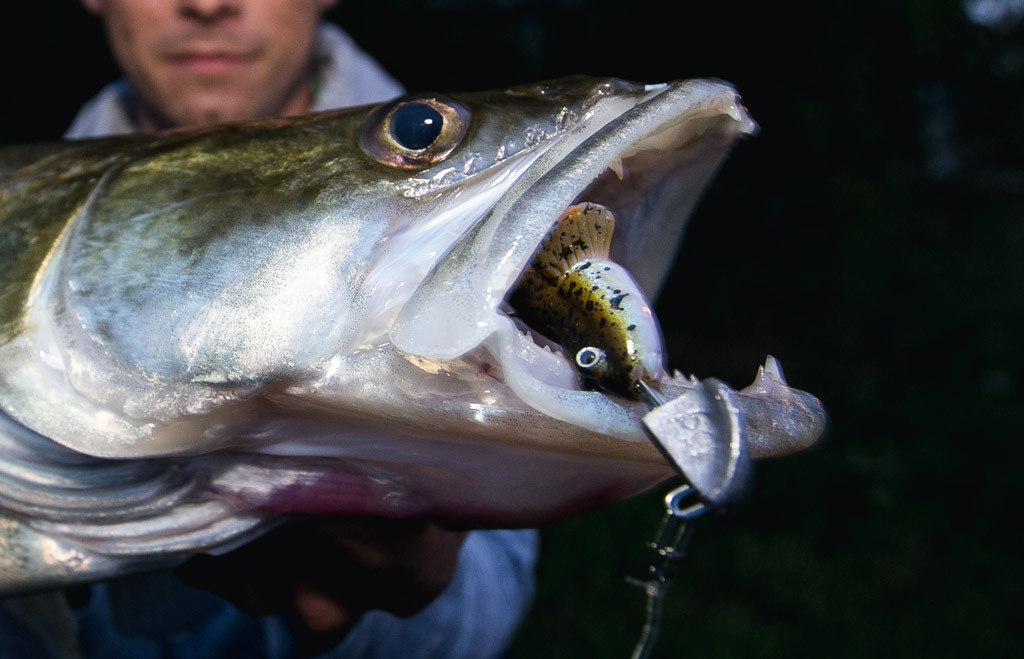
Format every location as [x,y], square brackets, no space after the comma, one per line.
[414,131]
[416,125]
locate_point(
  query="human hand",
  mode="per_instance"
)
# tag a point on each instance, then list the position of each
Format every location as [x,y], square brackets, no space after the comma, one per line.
[321,575]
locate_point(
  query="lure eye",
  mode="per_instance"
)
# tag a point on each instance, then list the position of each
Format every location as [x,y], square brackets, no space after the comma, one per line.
[414,131]
[592,360]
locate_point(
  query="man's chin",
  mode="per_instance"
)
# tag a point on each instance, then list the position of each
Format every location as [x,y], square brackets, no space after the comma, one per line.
[189,111]
[210,108]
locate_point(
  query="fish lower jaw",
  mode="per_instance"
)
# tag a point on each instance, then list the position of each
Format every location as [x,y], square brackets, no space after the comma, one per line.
[548,382]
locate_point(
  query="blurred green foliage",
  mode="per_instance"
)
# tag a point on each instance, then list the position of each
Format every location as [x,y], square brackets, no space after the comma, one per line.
[870,237]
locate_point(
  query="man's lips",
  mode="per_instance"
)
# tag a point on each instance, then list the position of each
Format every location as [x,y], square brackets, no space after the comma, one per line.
[212,63]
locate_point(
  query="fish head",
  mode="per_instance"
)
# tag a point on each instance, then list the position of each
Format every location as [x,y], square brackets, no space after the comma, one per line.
[311,315]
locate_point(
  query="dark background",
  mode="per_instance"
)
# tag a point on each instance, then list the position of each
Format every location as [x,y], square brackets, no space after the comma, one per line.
[871,237]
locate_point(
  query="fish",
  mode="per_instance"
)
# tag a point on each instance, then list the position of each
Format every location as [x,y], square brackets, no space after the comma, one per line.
[589,305]
[204,332]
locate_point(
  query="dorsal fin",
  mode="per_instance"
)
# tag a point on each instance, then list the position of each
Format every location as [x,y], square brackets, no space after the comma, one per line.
[583,234]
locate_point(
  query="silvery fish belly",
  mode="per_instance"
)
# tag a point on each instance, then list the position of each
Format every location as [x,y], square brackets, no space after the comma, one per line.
[202,332]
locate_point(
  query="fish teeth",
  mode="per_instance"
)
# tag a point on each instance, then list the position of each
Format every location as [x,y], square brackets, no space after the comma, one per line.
[542,344]
[617,167]
[769,381]
[681,378]
[773,368]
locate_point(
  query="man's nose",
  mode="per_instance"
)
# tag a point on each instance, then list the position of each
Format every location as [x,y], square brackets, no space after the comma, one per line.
[209,10]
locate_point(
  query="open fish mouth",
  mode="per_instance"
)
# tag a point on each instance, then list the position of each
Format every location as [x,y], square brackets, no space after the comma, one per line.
[641,172]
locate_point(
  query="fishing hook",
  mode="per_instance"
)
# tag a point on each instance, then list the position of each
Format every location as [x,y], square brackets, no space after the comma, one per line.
[669,549]
[700,432]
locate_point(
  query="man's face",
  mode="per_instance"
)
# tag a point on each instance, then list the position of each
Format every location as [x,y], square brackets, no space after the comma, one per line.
[196,62]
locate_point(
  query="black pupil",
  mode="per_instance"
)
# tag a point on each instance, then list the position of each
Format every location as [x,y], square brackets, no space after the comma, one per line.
[416,125]
[587,357]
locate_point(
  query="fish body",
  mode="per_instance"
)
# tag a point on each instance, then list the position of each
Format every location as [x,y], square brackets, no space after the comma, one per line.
[204,331]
